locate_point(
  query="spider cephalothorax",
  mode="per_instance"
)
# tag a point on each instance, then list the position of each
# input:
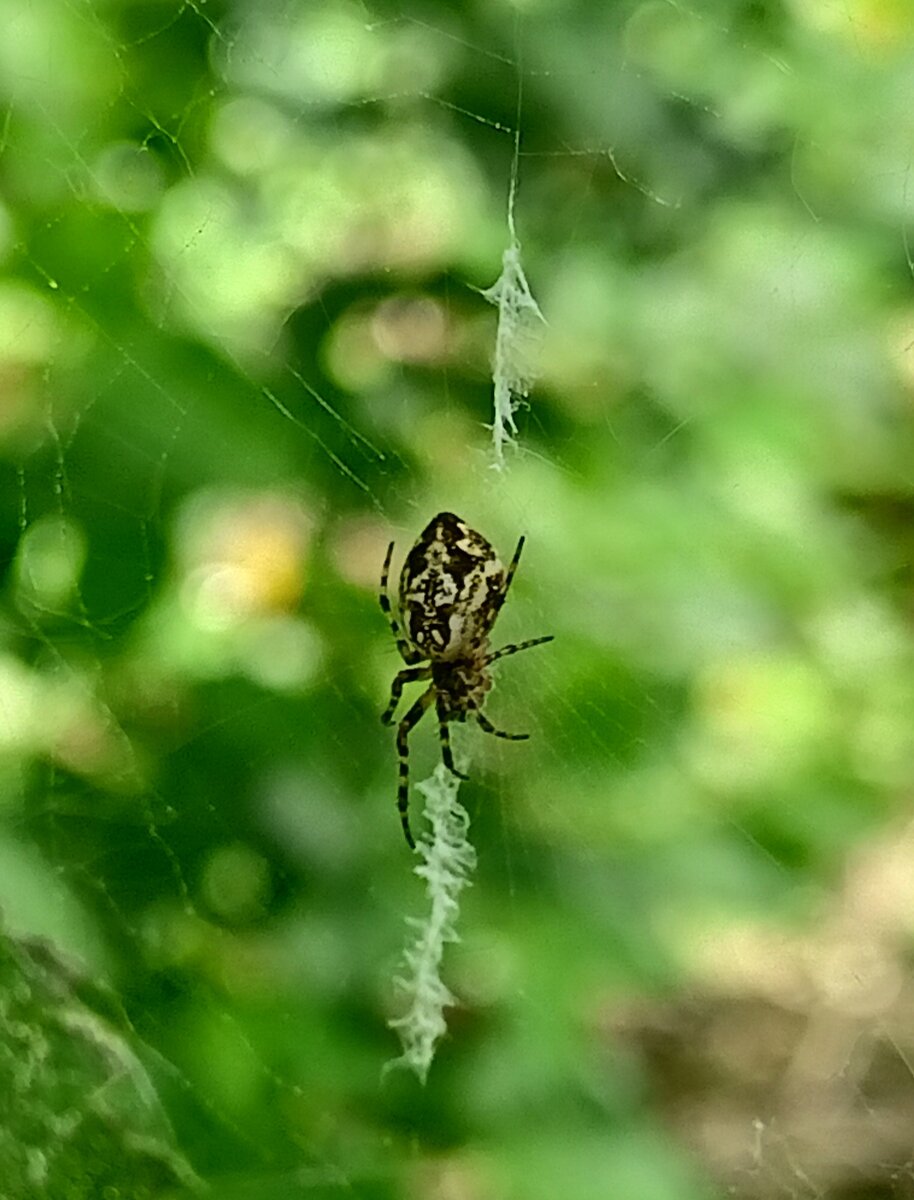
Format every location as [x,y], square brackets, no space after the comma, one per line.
[452,588]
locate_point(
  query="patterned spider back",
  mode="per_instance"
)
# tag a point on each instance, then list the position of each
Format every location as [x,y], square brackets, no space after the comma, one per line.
[451,588]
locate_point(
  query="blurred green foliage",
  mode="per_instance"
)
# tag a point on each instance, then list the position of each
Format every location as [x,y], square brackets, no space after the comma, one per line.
[241,347]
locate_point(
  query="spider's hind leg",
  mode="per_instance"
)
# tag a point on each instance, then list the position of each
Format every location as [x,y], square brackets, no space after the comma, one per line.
[512,566]
[516,647]
[407,652]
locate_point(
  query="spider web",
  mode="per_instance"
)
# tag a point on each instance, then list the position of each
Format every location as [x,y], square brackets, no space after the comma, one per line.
[244,252]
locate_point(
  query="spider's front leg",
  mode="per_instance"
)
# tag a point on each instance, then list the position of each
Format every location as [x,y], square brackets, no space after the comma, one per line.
[410,675]
[487,727]
[412,718]
[444,735]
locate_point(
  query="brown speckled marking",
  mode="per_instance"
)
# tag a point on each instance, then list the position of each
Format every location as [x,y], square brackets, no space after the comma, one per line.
[451,588]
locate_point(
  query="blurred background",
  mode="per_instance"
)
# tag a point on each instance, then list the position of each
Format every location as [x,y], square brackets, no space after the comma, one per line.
[242,347]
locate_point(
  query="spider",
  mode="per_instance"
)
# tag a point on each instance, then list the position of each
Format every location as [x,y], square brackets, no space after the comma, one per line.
[452,587]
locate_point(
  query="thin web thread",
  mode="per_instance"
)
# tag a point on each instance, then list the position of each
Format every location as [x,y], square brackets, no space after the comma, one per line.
[448,857]
[518,336]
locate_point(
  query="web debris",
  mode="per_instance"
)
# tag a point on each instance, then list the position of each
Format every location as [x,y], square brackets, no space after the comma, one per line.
[448,861]
[520,321]
[517,341]
[448,856]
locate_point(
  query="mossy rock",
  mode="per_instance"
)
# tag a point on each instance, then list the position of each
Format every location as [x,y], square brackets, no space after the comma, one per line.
[80,1118]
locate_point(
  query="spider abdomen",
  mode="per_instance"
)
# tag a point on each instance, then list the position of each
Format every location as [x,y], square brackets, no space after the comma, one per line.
[451,587]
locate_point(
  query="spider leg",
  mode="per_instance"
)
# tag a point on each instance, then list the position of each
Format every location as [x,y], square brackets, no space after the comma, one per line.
[444,735]
[512,567]
[410,675]
[505,651]
[487,727]
[413,716]
[407,653]
[509,575]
